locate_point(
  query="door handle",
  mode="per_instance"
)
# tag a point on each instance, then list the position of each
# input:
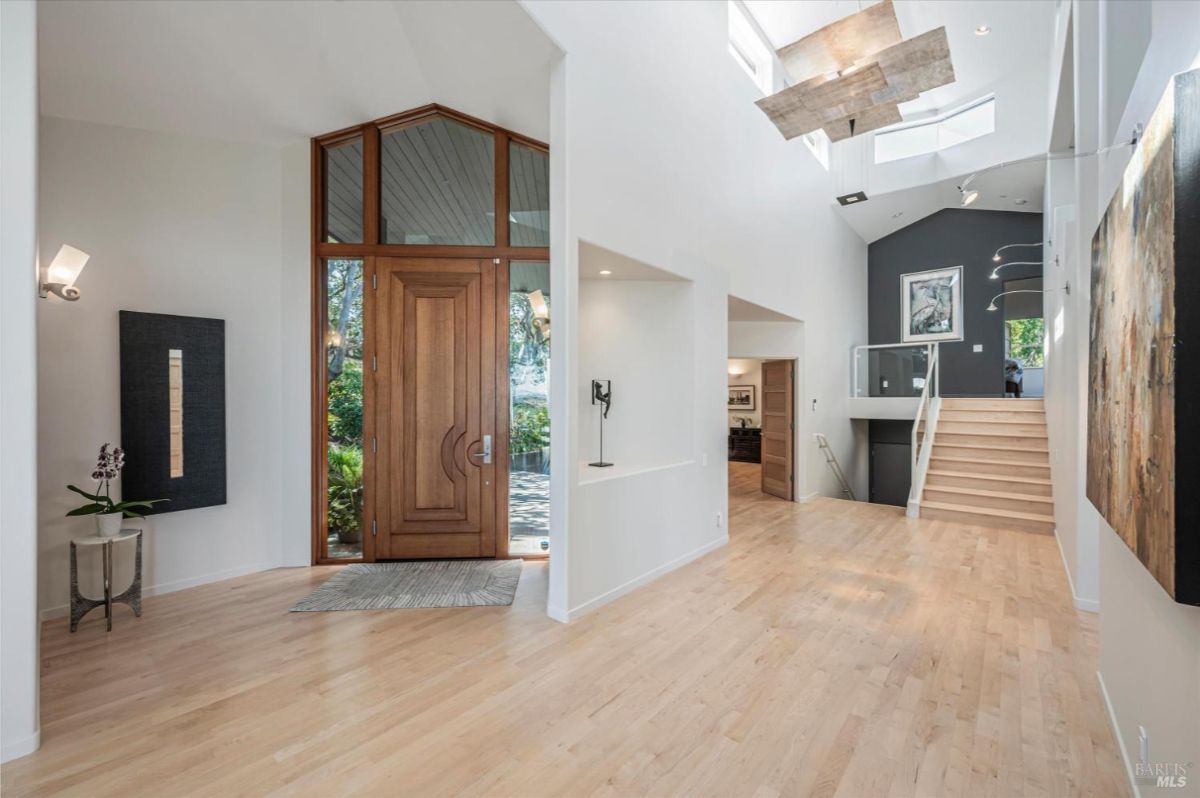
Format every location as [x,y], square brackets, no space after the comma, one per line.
[486,454]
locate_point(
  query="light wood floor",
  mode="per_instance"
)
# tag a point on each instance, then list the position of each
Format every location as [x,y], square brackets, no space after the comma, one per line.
[833,648]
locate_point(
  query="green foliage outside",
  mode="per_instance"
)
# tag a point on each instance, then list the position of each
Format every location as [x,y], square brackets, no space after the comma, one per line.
[1026,341]
[530,428]
[346,403]
[346,492]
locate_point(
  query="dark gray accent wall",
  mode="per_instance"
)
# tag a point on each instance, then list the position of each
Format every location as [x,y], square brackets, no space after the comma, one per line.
[948,238]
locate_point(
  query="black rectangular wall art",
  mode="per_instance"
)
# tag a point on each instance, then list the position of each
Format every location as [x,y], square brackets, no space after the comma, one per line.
[173,410]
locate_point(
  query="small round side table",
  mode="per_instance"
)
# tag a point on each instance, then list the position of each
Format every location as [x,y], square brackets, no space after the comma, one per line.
[80,604]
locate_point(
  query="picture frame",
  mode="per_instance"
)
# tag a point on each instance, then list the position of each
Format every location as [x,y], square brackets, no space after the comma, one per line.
[742,397]
[931,305]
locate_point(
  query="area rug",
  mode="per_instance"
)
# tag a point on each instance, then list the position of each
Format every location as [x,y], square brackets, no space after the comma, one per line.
[412,585]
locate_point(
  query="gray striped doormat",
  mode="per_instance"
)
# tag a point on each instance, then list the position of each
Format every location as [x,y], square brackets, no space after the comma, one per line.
[412,585]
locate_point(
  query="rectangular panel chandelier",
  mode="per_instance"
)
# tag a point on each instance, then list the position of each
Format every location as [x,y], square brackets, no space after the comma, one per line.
[851,76]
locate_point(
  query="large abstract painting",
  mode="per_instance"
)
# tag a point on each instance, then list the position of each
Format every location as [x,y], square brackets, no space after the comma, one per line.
[1144,360]
[931,306]
[173,409]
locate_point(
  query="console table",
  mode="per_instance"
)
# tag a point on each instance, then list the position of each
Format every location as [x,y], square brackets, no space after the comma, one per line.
[745,444]
[81,604]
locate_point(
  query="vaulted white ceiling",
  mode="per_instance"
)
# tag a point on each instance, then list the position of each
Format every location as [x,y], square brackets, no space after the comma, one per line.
[258,70]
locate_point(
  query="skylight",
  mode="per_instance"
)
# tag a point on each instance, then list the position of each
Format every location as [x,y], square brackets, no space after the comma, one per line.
[932,135]
[747,47]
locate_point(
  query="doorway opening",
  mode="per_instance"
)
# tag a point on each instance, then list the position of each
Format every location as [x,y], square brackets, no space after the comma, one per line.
[1024,339]
[761,409]
[431,290]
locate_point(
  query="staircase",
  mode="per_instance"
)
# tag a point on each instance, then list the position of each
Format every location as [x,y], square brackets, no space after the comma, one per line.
[990,465]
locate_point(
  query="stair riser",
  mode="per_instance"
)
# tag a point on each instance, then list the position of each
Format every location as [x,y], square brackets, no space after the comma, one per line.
[985,428]
[1023,505]
[984,416]
[974,519]
[1016,441]
[977,483]
[940,449]
[999,469]
[992,404]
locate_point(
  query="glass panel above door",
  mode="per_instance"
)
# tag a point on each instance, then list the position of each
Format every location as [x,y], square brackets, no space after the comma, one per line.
[437,185]
[528,196]
[344,192]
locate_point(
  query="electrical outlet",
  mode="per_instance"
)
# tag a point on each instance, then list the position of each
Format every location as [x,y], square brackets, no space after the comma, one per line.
[720,518]
[977,348]
[704,459]
[1143,745]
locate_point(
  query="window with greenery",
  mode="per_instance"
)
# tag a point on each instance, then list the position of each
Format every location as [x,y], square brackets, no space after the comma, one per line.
[1025,341]
[344,406]
[529,411]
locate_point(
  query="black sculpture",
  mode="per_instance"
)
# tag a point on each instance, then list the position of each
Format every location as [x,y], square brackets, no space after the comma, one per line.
[602,395]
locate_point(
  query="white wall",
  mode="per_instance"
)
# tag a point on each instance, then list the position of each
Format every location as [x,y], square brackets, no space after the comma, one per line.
[182,225]
[749,372]
[19,667]
[637,333]
[664,158]
[1149,645]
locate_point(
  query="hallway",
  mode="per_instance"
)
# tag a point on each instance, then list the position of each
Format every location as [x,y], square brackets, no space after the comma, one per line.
[831,648]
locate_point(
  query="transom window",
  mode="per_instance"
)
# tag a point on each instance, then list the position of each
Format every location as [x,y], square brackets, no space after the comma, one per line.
[931,135]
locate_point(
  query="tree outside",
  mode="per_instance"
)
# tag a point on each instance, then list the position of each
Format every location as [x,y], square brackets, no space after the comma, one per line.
[1025,339]
[344,385]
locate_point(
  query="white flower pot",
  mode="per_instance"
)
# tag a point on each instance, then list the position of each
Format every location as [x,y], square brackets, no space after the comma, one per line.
[109,524]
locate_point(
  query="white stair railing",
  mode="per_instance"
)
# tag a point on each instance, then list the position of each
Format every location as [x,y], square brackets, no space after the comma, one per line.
[834,466]
[927,411]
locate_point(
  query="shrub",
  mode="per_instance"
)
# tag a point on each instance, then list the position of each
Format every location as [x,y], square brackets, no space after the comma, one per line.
[530,428]
[346,403]
[346,492]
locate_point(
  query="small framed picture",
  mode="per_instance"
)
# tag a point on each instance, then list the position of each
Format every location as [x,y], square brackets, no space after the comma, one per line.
[741,397]
[931,306]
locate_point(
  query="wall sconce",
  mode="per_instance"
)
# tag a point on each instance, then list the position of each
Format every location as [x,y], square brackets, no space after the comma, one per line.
[992,305]
[541,312]
[63,272]
[996,257]
[995,275]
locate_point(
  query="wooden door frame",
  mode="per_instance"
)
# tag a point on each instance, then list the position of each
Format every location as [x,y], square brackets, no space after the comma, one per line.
[371,247]
[797,385]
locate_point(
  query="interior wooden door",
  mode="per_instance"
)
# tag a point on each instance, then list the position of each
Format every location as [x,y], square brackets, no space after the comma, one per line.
[436,440]
[778,420]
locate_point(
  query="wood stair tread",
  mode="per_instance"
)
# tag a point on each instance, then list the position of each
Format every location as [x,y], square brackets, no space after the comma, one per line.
[1041,435]
[997,478]
[1031,450]
[986,460]
[998,494]
[994,512]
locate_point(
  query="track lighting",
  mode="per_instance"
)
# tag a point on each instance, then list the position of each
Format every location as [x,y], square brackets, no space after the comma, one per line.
[996,257]
[969,195]
[995,275]
[992,305]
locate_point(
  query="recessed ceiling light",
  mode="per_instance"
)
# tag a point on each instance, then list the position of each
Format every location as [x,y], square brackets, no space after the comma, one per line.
[605,271]
[982,30]
[1019,201]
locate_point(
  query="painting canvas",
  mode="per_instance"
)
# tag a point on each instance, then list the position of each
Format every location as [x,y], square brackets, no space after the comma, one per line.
[741,397]
[931,306]
[173,409]
[1143,363]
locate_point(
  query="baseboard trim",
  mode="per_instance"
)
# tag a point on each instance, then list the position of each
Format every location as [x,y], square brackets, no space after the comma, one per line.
[21,748]
[810,497]
[1116,730]
[1087,605]
[61,611]
[567,616]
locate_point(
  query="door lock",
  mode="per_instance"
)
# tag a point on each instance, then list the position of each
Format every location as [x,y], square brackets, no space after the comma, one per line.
[486,454]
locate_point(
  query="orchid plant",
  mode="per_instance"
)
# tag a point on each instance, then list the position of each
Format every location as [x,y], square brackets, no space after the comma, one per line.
[108,467]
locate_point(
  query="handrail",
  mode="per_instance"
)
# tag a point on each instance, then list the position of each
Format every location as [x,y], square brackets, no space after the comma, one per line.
[929,408]
[831,459]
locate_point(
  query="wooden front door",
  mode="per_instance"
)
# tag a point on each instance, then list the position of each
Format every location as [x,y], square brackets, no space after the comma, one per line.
[435,408]
[777,428]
